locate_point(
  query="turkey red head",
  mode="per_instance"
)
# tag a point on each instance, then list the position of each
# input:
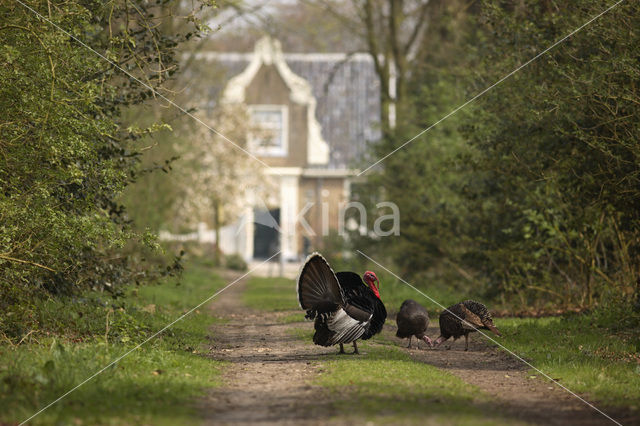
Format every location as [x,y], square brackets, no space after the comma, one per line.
[373,282]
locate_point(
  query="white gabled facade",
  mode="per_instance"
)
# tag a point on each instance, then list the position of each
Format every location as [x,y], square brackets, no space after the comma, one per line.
[295,151]
[268,51]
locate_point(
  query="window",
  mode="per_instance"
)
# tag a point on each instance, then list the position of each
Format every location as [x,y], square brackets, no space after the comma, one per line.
[269,125]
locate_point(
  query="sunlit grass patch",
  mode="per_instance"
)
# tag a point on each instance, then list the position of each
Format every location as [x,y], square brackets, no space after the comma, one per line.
[271,294]
[385,385]
[291,318]
[151,385]
[584,357]
[303,333]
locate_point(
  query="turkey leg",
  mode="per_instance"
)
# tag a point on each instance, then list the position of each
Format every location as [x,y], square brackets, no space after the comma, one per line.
[427,340]
[355,348]
[410,337]
[466,342]
[341,349]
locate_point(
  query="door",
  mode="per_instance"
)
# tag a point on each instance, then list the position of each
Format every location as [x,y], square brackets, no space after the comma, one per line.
[266,240]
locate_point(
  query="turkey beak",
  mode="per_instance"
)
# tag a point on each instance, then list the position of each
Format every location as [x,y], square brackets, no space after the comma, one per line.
[495,330]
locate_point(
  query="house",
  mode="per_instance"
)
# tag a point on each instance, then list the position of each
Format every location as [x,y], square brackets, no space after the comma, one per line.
[316,114]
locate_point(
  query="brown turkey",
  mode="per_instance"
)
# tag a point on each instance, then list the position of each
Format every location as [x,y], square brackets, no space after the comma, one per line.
[413,320]
[464,318]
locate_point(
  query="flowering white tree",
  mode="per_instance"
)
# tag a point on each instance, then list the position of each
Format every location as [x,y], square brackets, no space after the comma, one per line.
[217,179]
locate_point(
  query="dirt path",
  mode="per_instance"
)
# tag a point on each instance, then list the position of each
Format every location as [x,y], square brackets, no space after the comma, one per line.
[269,377]
[268,381]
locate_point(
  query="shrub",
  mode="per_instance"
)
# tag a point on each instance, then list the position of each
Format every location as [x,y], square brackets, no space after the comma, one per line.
[235,262]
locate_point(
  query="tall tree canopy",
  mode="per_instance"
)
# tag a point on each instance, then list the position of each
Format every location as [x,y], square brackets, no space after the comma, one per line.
[532,191]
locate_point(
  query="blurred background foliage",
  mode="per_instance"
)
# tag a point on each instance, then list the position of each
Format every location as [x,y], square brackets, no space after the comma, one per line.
[530,194]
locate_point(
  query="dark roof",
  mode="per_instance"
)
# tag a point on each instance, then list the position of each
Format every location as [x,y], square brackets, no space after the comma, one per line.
[346,89]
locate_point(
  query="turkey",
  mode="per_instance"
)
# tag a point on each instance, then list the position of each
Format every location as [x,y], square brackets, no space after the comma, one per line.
[462,319]
[345,309]
[413,320]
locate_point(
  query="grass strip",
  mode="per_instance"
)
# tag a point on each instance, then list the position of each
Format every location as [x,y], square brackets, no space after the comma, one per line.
[586,358]
[156,384]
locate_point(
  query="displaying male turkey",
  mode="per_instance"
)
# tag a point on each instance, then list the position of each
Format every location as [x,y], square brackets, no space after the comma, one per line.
[345,309]
[464,318]
[413,320]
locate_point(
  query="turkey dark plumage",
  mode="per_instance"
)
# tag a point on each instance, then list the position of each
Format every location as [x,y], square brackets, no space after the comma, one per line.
[413,320]
[464,318]
[344,308]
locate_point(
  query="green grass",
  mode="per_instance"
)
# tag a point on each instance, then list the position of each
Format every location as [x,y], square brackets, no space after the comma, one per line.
[393,292]
[305,334]
[384,385]
[291,318]
[271,294]
[156,384]
[588,359]
[274,295]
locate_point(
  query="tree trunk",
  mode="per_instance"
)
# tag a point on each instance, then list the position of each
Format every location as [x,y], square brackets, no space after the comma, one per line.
[216,224]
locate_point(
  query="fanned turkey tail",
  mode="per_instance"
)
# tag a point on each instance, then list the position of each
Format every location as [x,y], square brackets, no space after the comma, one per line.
[318,288]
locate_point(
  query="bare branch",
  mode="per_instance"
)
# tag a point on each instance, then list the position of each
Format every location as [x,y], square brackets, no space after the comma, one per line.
[13,259]
[417,29]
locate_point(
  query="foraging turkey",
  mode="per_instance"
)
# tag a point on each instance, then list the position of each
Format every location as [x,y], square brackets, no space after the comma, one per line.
[345,309]
[413,320]
[462,319]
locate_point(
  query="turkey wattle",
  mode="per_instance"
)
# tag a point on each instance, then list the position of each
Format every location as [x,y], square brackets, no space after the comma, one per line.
[413,320]
[464,318]
[345,309]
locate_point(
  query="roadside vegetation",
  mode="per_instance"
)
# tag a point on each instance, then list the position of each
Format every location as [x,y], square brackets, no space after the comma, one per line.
[69,148]
[73,264]
[582,352]
[155,384]
[528,195]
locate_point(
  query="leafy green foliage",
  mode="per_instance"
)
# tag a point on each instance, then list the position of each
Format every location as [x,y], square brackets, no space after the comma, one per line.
[555,175]
[425,176]
[65,152]
[530,194]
